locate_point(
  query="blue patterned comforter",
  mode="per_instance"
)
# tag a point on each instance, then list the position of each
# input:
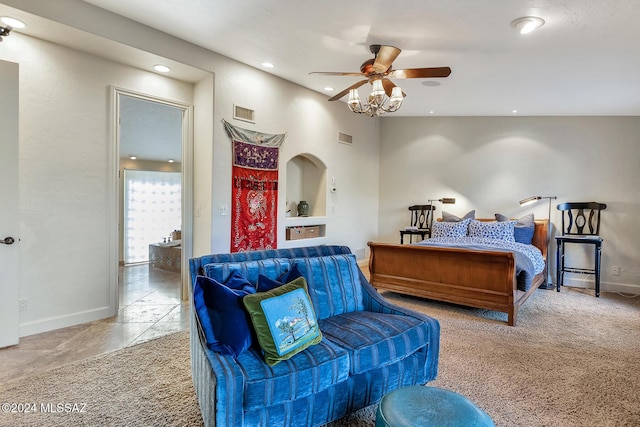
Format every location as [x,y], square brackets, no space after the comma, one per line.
[529,260]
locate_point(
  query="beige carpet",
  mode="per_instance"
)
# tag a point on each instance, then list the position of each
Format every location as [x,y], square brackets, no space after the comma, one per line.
[573,360]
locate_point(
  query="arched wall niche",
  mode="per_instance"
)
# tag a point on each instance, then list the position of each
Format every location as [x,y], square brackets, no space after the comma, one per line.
[306,180]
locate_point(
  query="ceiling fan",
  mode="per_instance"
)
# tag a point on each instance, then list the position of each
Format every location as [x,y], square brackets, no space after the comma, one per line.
[378,71]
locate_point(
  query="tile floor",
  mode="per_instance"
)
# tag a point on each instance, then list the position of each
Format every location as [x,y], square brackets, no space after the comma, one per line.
[150,307]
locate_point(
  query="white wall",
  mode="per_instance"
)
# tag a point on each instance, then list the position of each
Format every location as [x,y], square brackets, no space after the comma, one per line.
[65,150]
[311,124]
[65,159]
[490,163]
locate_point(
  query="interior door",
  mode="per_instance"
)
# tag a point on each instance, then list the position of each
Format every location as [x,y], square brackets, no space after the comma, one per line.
[9,287]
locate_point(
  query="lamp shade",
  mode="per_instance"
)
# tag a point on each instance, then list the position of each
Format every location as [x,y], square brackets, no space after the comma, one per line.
[529,200]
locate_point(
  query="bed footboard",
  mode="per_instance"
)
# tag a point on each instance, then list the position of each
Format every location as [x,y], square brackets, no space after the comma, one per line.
[481,279]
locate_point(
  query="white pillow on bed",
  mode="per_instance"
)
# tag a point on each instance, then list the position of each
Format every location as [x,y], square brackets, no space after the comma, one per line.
[492,229]
[450,229]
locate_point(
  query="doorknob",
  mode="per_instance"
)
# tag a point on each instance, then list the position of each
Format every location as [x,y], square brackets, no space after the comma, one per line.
[8,241]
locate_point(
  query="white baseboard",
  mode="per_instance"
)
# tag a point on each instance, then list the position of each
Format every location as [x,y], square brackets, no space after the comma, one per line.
[52,323]
[589,283]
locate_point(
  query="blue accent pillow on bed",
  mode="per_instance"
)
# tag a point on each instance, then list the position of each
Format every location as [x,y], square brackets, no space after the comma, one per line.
[450,229]
[492,230]
[524,229]
[225,322]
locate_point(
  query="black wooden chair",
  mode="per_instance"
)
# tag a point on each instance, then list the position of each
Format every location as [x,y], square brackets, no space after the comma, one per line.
[421,217]
[580,225]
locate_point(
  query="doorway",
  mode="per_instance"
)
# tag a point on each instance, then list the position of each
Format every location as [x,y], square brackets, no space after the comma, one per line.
[9,214]
[152,148]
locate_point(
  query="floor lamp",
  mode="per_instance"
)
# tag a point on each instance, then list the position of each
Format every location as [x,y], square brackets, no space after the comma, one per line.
[530,200]
[444,200]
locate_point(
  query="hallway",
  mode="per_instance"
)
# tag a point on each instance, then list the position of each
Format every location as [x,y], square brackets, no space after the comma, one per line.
[150,307]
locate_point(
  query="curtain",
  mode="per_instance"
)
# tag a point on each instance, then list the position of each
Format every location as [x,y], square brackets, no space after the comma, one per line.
[152,210]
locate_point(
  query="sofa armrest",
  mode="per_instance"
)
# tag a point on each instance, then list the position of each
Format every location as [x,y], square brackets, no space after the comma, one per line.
[374,302]
[217,379]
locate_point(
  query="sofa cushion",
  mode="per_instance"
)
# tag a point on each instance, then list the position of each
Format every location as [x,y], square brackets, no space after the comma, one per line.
[224,321]
[333,282]
[272,268]
[284,320]
[309,372]
[375,339]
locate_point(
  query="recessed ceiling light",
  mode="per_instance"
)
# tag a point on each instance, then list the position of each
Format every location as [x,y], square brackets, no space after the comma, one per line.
[170,160]
[267,65]
[527,24]
[132,157]
[12,22]
[514,111]
[328,89]
[431,112]
[161,68]
[431,83]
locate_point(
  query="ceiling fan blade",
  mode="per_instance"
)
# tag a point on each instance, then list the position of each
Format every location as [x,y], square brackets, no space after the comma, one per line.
[385,57]
[388,87]
[346,91]
[336,73]
[420,73]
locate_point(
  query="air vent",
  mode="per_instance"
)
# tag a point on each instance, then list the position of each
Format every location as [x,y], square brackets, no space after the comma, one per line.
[244,114]
[344,138]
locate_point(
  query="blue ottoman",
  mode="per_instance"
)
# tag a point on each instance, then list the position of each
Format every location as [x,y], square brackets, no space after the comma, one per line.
[429,406]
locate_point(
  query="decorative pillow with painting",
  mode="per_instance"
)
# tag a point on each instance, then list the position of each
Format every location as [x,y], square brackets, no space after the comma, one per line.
[492,230]
[524,229]
[450,229]
[284,320]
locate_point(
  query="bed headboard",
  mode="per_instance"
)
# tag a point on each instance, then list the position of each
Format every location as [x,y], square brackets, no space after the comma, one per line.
[541,236]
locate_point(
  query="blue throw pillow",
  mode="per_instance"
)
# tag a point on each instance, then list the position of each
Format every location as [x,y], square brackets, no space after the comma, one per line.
[266,284]
[524,229]
[225,322]
[237,281]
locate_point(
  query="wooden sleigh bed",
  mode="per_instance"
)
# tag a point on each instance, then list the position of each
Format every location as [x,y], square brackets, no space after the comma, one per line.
[474,278]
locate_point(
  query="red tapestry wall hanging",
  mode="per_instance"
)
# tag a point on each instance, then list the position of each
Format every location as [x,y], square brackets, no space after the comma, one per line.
[254,192]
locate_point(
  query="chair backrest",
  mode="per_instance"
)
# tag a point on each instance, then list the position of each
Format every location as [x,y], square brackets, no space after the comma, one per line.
[421,215]
[581,218]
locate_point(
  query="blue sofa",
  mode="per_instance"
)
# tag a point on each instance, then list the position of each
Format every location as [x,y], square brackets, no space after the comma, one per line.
[368,348]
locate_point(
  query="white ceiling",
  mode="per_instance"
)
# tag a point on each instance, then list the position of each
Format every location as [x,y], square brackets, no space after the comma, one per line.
[584,61]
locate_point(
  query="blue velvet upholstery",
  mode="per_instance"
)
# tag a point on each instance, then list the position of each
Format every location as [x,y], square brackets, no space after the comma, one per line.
[375,339]
[271,268]
[369,348]
[266,283]
[225,323]
[333,282]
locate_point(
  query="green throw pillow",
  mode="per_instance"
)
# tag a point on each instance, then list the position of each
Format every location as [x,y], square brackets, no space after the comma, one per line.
[284,320]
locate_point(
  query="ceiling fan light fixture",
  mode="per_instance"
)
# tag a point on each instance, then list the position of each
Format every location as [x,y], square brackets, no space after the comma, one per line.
[527,24]
[354,97]
[378,90]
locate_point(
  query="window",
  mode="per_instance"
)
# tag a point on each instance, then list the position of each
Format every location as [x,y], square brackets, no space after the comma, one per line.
[152,210]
